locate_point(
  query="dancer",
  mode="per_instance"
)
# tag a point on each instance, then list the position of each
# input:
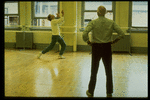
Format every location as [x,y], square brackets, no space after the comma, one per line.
[102,29]
[55,35]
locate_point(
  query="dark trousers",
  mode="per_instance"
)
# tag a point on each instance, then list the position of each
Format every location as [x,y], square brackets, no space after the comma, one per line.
[56,38]
[101,50]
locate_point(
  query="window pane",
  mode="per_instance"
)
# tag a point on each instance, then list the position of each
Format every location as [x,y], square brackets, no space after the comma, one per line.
[11,8]
[93,5]
[109,15]
[140,14]
[42,9]
[41,22]
[11,20]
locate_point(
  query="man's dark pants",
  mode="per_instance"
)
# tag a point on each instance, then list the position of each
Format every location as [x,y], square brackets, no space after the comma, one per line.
[101,50]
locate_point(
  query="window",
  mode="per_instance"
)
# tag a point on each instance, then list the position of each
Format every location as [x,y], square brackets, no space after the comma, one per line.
[89,10]
[11,17]
[41,10]
[140,14]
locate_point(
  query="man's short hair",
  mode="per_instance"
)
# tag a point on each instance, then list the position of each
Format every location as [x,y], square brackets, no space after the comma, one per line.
[49,17]
[101,11]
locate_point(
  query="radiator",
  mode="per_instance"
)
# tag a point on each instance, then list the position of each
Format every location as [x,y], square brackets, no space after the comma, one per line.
[123,45]
[24,39]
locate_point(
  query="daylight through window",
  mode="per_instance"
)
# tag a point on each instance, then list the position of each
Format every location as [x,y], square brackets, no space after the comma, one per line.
[139,14]
[42,10]
[11,13]
[90,10]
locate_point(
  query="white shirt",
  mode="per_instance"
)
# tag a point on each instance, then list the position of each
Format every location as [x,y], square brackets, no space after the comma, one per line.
[55,23]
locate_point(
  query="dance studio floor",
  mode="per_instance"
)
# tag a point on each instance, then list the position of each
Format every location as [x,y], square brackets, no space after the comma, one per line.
[27,76]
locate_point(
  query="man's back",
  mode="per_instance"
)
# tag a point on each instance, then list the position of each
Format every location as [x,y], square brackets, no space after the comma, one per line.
[102,29]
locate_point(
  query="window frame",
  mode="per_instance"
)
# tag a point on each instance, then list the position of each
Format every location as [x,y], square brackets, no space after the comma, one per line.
[13,27]
[133,29]
[46,28]
[83,11]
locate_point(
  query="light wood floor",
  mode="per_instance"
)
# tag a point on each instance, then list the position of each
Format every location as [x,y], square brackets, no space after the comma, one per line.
[27,76]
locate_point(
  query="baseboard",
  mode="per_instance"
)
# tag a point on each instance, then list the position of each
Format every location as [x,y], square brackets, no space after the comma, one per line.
[140,50]
[84,48]
[10,45]
[40,46]
[143,50]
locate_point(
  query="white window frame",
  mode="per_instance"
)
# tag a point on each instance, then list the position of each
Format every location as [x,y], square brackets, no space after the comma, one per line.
[12,27]
[83,10]
[45,28]
[133,28]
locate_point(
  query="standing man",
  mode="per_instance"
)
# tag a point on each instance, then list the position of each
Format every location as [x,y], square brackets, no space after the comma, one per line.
[55,35]
[102,29]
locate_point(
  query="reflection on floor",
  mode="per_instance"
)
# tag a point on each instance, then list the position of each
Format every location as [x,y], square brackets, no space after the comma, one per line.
[27,76]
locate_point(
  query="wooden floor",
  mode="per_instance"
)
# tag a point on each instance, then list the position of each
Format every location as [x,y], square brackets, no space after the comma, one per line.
[27,76]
